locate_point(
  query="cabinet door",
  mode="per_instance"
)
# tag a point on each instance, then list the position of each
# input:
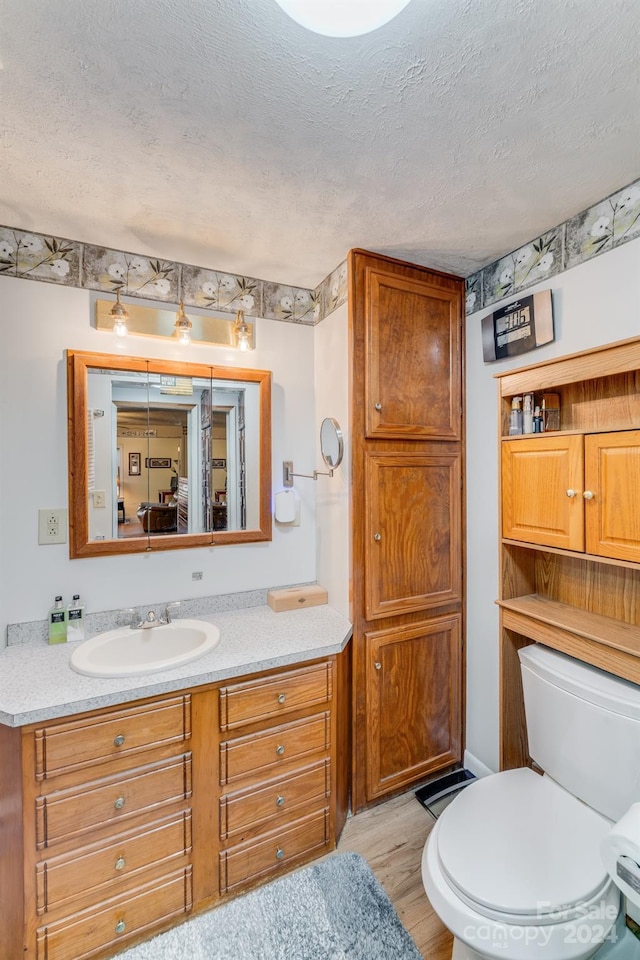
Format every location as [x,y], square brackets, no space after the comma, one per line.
[412,553]
[413,359]
[413,684]
[542,484]
[612,475]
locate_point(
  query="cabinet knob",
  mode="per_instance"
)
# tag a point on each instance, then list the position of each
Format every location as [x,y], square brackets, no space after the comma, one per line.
[119,803]
[280,749]
[120,863]
[377,406]
[588,495]
[378,665]
[282,697]
[571,493]
[279,801]
[279,853]
[121,926]
[119,740]
[377,536]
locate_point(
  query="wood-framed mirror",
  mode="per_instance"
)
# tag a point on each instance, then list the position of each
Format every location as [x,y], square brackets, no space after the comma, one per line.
[166,455]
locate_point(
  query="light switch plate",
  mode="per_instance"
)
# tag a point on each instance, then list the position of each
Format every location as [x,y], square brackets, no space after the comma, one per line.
[52,525]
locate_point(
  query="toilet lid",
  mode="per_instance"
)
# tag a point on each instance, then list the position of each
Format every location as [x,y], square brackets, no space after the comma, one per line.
[517,844]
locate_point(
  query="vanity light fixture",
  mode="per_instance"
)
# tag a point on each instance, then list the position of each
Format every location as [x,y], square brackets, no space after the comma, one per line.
[201,326]
[120,317]
[242,332]
[183,325]
[342,18]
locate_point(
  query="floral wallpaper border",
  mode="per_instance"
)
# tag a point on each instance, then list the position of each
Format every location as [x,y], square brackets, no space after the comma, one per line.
[36,256]
[599,228]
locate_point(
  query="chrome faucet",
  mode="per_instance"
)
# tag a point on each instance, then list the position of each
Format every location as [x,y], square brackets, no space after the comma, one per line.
[152,621]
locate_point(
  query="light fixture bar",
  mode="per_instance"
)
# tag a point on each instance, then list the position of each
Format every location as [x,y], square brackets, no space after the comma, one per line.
[148,321]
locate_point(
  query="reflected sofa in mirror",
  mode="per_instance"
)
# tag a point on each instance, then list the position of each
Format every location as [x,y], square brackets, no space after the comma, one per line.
[166,455]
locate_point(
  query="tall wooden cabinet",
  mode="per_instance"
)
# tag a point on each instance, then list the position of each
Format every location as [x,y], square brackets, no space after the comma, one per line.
[570,511]
[406,340]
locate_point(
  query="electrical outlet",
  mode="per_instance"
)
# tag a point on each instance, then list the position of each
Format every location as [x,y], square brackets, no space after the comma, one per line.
[196,575]
[52,526]
[99,498]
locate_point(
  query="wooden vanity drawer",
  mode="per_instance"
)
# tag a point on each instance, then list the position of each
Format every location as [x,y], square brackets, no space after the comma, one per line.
[111,800]
[93,869]
[255,700]
[276,747]
[278,799]
[63,747]
[114,923]
[255,859]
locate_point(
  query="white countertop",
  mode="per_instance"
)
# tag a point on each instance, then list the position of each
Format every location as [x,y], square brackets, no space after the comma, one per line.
[37,683]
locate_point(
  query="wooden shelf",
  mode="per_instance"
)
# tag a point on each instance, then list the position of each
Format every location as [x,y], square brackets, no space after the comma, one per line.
[601,641]
[575,554]
[597,362]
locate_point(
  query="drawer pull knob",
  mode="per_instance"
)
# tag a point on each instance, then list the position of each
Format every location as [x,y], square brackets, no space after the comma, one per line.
[279,801]
[377,537]
[571,493]
[120,863]
[280,749]
[377,406]
[119,803]
[279,853]
[119,740]
[588,495]
[282,697]
[121,926]
[378,665]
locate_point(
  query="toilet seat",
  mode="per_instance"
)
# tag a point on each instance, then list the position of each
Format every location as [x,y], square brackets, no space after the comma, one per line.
[518,849]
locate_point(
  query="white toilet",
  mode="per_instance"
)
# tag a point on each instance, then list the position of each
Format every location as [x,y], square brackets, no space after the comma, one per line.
[513,865]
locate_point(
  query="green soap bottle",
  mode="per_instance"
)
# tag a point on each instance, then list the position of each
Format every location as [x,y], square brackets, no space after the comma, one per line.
[58,623]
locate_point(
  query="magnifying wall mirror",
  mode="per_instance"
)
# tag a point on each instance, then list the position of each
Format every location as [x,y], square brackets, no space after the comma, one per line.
[331,442]
[166,455]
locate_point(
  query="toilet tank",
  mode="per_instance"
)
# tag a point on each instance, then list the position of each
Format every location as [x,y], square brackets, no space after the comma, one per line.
[583,728]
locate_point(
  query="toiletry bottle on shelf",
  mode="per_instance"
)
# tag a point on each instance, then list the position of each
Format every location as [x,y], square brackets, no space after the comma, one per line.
[515,419]
[75,619]
[527,413]
[58,623]
[550,411]
[537,421]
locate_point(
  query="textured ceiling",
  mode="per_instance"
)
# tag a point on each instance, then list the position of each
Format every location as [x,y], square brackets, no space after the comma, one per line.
[220,133]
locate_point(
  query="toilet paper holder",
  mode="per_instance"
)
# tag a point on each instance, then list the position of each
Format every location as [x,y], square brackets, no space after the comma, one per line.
[331,447]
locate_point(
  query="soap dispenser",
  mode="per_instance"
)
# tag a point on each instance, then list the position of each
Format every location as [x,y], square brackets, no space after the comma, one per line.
[515,419]
[75,619]
[58,623]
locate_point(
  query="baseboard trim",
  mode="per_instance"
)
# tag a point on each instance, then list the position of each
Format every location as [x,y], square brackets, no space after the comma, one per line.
[475,766]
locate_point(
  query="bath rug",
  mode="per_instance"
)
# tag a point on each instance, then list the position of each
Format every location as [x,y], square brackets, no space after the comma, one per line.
[332,910]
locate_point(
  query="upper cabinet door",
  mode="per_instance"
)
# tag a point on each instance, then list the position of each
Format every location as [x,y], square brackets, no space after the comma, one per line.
[413,355]
[542,487]
[612,494]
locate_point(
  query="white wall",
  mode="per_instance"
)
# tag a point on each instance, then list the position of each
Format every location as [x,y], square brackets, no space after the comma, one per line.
[595,303]
[333,493]
[41,321]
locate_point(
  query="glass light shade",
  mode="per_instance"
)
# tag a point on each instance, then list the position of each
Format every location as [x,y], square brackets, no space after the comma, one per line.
[183,325]
[120,317]
[342,18]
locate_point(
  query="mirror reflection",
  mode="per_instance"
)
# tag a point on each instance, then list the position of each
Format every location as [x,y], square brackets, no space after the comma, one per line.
[175,454]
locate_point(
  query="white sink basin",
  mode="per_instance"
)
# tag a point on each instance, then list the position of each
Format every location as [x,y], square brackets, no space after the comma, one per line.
[127,653]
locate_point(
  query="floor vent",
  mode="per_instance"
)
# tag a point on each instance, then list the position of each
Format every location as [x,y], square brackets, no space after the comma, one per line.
[439,792]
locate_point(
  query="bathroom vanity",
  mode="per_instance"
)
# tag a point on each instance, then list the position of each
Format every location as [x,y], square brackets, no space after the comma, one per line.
[121,820]
[570,545]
